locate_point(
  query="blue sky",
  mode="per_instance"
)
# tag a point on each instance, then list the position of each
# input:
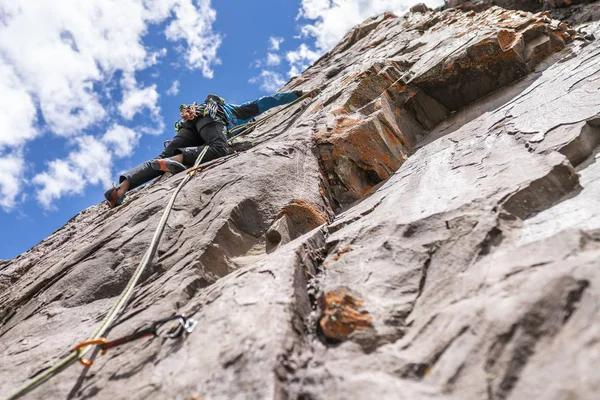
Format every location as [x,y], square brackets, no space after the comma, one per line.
[90,89]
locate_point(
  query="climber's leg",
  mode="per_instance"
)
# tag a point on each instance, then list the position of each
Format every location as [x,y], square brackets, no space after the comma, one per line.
[145,172]
[214,135]
[172,165]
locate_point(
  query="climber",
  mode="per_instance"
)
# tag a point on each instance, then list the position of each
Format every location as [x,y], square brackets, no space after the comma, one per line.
[201,125]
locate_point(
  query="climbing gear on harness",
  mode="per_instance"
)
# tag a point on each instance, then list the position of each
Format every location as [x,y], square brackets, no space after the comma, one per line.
[188,112]
[211,107]
[113,198]
[157,329]
[167,165]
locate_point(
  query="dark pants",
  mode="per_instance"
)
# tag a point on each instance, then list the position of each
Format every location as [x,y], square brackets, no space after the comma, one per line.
[190,141]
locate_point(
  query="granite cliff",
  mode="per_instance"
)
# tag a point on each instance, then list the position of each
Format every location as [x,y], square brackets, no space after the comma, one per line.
[427,227]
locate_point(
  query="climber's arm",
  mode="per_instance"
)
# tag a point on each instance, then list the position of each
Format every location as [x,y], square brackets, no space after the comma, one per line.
[256,107]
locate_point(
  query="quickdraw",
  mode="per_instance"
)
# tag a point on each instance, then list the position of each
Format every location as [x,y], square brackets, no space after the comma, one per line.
[189,112]
[157,329]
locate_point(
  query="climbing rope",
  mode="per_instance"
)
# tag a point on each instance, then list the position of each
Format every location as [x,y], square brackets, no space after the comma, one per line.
[78,352]
[96,338]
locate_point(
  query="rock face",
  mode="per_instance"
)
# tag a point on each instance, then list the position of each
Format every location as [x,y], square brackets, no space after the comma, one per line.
[574,12]
[428,227]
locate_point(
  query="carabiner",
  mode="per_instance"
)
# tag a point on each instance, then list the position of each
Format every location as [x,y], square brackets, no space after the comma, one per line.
[177,333]
[84,361]
[186,325]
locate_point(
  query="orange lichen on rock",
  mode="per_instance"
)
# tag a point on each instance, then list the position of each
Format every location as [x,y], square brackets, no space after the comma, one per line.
[507,39]
[339,253]
[342,315]
[340,111]
[372,146]
[317,107]
[297,81]
[351,78]
[304,216]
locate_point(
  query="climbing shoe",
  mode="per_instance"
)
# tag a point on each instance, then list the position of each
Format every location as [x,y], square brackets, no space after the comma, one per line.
[112,197]
[168,165]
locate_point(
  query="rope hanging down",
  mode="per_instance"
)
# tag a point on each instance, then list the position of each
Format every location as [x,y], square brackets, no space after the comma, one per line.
[79,352]
[96,337]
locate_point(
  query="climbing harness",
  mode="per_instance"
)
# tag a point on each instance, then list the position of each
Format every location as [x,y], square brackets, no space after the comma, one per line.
[96,338]
[160,329]
[211,107]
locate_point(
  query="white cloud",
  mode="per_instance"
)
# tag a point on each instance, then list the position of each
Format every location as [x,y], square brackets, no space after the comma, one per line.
[328,21]
[275,42]
[17,110]
[174,89]
[136,99]
[89,164]
[12,169]
[121,140]
[331,20]
[58,60]
[194,26]
[273,59]
[269,81]
[301,59]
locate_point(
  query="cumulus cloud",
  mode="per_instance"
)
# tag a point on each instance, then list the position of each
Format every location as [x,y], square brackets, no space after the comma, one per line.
[121,140]
[58,61]
[75,44]
[202,43]
[17,110]
[12,167]
[300,59]
[328,21]
[136,98]
[89,164]
[174,89]
[269,81]
[273,59]
[275,42]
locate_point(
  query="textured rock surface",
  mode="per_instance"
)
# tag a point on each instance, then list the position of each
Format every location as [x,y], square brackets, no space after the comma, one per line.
[574,12]
[427,228]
